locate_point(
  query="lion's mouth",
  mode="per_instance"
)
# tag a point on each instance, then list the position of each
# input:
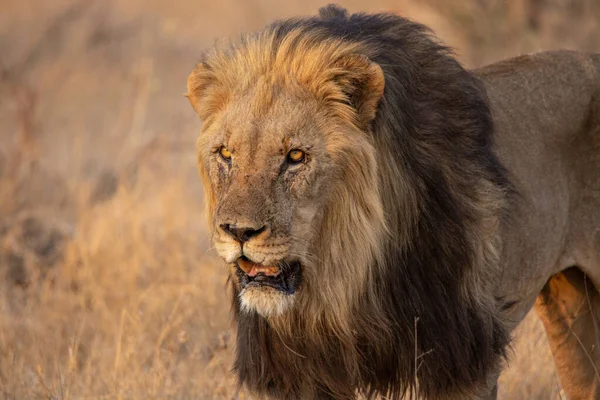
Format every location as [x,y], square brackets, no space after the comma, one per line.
[285,276]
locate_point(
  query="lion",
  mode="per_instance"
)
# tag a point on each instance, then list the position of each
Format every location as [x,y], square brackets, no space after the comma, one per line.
[388,217]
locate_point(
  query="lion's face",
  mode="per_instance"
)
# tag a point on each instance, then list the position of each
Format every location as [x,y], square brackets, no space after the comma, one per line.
[270,173]
[290,173]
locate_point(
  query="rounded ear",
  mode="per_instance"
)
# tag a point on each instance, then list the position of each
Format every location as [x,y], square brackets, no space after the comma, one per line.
[362,83]
[204,93]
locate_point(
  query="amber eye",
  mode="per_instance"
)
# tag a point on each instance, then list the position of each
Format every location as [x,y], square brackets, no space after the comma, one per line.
[295,156]
[226,154]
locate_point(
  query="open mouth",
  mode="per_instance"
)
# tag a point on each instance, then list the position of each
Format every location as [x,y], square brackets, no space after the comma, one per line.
[284,276]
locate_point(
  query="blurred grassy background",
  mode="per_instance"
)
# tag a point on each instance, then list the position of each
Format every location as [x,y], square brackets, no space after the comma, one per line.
[108,285]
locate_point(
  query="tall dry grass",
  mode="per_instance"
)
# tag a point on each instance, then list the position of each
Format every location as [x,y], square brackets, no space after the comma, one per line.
[108,286]
[134,309]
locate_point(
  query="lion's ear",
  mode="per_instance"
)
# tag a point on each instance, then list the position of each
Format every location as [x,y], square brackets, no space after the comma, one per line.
[362,83]
[204,91]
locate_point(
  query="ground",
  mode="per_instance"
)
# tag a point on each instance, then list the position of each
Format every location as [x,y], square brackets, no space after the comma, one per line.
[109,287]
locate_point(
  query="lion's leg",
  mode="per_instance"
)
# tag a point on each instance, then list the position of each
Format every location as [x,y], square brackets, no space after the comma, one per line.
[568,306]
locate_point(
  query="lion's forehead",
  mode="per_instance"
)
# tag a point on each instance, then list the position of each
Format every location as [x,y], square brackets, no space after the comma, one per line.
[287,123]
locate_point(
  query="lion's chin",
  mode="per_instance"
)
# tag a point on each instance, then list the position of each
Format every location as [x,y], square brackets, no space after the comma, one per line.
[265,300]
[268,290]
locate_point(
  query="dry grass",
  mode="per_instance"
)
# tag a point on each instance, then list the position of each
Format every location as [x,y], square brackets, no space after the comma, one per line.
[109,288]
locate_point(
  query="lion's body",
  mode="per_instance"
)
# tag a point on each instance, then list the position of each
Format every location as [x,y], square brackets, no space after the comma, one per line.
[423,219]
[546,111]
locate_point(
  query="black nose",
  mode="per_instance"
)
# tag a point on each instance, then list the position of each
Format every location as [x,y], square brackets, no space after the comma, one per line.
[241,233]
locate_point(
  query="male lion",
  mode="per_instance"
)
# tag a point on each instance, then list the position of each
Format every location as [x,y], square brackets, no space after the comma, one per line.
[379,242]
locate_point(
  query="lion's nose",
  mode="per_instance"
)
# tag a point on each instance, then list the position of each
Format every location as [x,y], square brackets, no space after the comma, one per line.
[242,234]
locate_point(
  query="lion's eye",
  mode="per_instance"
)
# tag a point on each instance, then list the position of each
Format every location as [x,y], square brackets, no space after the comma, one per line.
[225,153]
[296,156]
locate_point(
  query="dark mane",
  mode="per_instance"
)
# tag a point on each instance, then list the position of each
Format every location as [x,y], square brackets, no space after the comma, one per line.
[443,191]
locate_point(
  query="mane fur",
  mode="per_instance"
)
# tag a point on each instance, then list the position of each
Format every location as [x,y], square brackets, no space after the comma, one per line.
[418,217]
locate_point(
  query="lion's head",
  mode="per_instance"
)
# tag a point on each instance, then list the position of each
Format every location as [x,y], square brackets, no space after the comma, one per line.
[291,171]
[351,189]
